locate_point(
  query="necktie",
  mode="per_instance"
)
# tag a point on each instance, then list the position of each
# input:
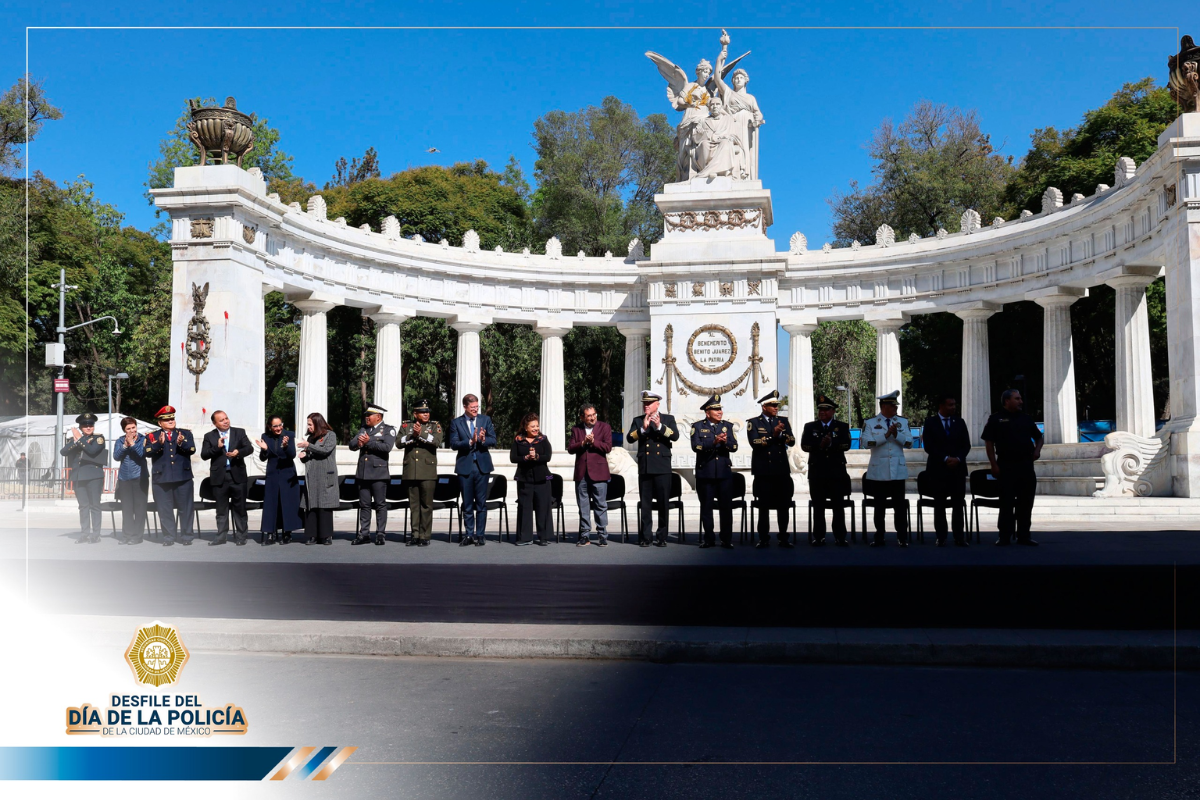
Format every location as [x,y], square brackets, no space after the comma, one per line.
[946,423]
[225,447]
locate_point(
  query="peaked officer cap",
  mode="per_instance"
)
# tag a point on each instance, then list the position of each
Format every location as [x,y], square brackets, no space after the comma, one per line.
[825,402]
[713,402]
[649,396]
[771,399]
[422,406]
[86,418]
[166,412]
[375,408]
[890,397]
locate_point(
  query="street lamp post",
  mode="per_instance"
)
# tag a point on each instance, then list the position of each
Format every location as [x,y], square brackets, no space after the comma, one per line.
[295,387]
[118,376]
[849,411]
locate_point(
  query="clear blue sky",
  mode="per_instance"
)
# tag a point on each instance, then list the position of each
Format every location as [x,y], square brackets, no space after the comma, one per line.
[476,93]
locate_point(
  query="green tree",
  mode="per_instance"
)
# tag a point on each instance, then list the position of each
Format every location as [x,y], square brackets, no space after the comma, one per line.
[178,151]
[928,170]
[597,172]
[356,171]
[594,368]
[844,355]
[24,108]
[1077,159]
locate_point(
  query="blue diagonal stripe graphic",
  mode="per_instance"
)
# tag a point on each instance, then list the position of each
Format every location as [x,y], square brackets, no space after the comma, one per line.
[314,762]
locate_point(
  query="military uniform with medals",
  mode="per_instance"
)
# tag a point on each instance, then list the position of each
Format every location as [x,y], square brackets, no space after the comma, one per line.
[171,452]
[771,468]
[887,470]
[714,472]
[86,458]
[420,470]
[654,468]
[372,475]
[828,482]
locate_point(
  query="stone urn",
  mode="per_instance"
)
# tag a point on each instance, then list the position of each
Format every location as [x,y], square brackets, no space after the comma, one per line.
[221,129]
[1184,77]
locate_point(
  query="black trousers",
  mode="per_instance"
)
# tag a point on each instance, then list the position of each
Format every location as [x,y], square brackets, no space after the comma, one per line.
[132,496]
[231,496]
[420,506]
[887,494]
[318,523]
[653,489]
[87,495]
[950,490]
[174,500]
[372,495]
[1018,485]
[533,502]
[718,491]
[828,493]
[773,492]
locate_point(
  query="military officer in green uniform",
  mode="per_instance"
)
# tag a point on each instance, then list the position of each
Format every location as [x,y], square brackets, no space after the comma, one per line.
[770,437]
[713,440]
[826,441]
[420,439]
[86,457]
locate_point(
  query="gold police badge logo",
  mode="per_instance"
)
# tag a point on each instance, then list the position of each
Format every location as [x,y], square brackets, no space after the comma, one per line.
[156,655]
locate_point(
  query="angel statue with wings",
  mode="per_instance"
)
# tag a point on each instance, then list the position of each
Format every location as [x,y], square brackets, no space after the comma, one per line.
[693,99]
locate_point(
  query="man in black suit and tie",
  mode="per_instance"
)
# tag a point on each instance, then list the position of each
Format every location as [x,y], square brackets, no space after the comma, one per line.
[653,433]
[947,444]
[227,447]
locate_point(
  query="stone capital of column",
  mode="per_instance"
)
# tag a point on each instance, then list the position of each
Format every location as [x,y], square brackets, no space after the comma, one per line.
[976,310]
[634,329]
[802,328]
[311,306]
[1056,296]
[384,316]
[552,331]
[886,322]
[1126,275]
[469,324]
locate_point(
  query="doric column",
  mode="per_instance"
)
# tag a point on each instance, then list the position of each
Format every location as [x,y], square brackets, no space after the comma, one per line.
[635,370]
[389,383]
[887,356]
[313,378]
[976,400]
[553,387]
[800,372]
[1134,387]
[467,376]
[1058,364]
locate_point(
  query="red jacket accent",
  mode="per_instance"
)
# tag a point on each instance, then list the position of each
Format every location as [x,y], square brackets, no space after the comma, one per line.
[591,460]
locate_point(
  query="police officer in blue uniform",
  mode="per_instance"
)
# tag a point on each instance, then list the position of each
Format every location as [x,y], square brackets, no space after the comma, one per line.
[653,433]
[770,437]
[713,440]
[171,450]
[86,457]
[374,442]
[826,441]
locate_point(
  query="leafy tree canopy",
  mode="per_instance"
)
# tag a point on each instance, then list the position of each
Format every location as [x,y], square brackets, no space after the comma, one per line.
[24,108]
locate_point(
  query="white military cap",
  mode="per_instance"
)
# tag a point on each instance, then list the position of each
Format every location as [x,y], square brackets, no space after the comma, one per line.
[890,397]
[649,396]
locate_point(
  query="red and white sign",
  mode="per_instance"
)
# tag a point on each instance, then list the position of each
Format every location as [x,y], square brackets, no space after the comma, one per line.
[62,385]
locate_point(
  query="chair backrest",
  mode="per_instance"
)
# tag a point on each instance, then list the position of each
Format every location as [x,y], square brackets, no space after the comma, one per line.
[257,491]
[497,487]
[347,488]
[846,487]
[206,492]
[870,487]
[676,486]
[982,486]
[448,487]
[396,490]
[616,487]
[739,485]
[556,487]
[925,487]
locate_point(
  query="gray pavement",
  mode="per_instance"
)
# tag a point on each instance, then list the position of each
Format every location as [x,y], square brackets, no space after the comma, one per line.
[454,728]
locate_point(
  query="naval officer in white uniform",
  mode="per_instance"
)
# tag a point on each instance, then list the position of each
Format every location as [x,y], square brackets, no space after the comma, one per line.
[886,435]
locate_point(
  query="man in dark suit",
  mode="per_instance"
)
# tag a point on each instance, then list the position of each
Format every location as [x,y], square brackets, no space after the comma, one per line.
[770,437]
[171,450]
[86,458]
[713,440]
[227,447]
[590,443]
[947,444]
[653,432]
[374,442]
[472,435]
[826,441]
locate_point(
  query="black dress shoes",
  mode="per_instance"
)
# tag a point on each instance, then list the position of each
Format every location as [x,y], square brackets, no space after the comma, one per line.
[764,545]
[726,545]
[381,539]
[360,539]
[480,541]
[1027,542]
[643,544]
[541,543]
[414,542]
[787,545]
[217,541]
[706,545]
[422,543]
[312,540]
[287,538]
[465,541]
[961,543]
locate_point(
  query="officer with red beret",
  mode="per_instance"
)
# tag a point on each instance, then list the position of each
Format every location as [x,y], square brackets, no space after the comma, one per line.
[171,449]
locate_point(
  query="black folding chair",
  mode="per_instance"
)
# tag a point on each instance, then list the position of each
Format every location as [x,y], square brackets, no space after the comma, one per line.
[846,503]
[985,492]
[870,500]
[445,498]
[256,492]
[396,497]
[757,505]
[616,499]
[929,496]
[556,507]
[674,501]
[739,500]
[207,502]
[497,500]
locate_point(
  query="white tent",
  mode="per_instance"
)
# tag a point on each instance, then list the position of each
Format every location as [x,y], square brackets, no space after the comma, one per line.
[34,436]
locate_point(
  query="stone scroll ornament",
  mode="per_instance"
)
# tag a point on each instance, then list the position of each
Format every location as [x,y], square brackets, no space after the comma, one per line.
[1184,77]
[678,383]
[199,335]
[220,130]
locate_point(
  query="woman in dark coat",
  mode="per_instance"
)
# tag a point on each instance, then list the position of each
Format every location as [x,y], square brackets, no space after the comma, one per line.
[531,453]
[281,500]
[321,497]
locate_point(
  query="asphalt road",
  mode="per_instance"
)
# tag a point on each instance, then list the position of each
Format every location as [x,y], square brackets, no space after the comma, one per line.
[868,727]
